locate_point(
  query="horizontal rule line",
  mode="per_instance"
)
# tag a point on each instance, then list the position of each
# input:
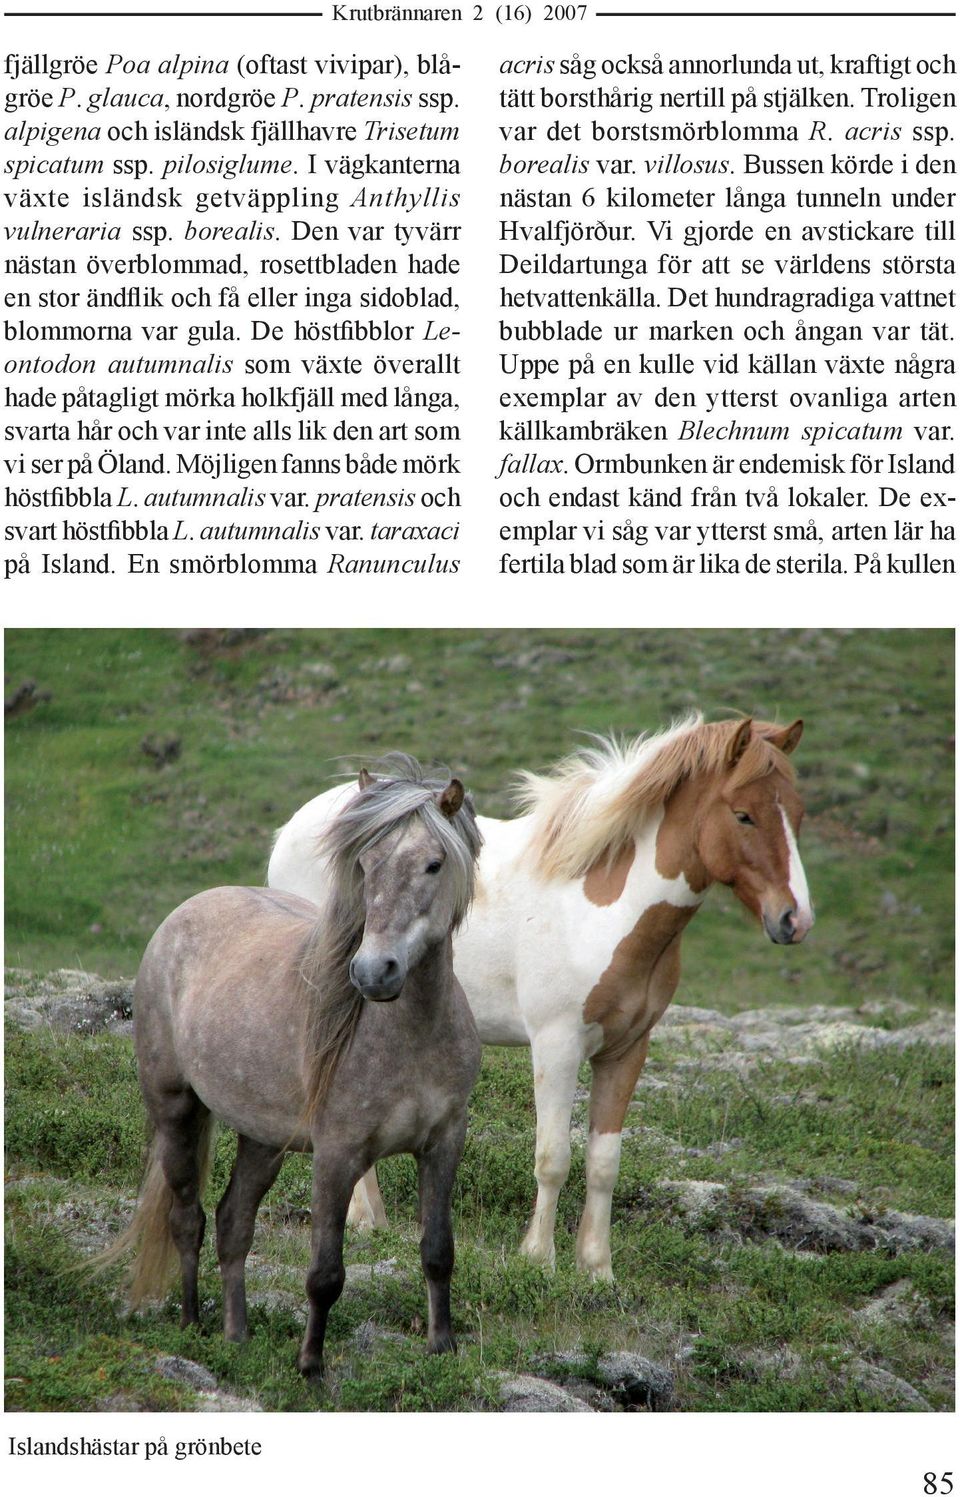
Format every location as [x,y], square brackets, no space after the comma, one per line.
[783,15]
[649,15]
[180,15]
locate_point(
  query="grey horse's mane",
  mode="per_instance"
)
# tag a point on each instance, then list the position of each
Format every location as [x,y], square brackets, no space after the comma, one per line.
[401,790]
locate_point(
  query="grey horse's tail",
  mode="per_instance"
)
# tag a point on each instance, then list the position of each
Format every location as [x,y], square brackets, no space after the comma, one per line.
[152,1271]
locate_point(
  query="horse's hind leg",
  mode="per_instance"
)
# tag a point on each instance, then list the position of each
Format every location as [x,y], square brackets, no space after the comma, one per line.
[182,1123]
[438,1166]
[254,1171]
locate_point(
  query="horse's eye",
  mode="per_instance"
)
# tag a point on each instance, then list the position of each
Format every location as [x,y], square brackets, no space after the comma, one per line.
[743,818]
[435,866]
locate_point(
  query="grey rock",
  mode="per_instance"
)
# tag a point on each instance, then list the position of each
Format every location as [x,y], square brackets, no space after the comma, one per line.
[600,1401]
[898,1304]
[696,1199]
[89,1226]
[635,1381]
[786,1214]
[680,1014]
[211,1398]
[939,1029]
[226,1403]
[793,1033]
[906,1233]
[799,1222]
[521,1394]
[180,1370]
[71,1001]
[876,1382]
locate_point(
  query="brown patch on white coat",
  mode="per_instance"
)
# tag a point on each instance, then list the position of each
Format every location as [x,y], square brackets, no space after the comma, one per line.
[627,1000]
[605,881]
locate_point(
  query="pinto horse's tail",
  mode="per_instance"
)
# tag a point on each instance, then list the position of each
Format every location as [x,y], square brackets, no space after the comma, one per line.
[152,1270]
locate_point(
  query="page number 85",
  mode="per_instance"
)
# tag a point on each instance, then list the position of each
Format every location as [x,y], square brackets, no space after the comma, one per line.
[941,1485]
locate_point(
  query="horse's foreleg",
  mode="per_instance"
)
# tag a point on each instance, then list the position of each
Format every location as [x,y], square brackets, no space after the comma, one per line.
[613,1082]
[254,1171]
[367,1212]
[437,1167]
[556,1060]
[332,1188]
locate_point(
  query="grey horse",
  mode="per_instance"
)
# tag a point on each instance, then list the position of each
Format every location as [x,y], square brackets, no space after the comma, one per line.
[338,1028]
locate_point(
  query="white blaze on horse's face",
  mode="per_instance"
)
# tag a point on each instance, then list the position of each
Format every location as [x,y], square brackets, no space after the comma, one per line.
[409,907]
[797,880]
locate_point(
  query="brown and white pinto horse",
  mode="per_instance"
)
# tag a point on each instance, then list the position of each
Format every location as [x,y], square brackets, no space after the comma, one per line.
[572,945]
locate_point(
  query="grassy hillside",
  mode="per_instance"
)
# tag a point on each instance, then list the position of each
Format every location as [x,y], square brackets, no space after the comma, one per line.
[101,844]
[749,1310]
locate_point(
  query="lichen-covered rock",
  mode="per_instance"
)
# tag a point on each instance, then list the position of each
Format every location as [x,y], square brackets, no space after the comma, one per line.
[635,1381]
[897,1304]
[790,1216]
[599,1399]
[791,1033]
[905,1233]
[226,1403]
[71,1001]
[211,1398]
[521,1394]
[878,1384]
[799,1222]
[182,1370]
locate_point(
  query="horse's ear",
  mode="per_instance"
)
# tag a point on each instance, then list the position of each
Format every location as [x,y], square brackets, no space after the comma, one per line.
[365,779]
[738,741]
[451,799]
[786,739]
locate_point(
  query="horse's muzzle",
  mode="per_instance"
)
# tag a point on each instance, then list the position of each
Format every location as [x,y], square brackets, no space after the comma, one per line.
[380,979]
[786,929]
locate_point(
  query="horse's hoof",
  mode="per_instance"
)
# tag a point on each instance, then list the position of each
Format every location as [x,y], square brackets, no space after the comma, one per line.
[599,1273]
[543,1257]
[311,1368]
[441,1343]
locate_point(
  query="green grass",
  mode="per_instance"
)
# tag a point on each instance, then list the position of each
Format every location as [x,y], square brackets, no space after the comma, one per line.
[101,845]
[76,1132]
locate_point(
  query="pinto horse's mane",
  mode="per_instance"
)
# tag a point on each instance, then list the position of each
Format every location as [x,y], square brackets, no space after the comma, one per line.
[591,804]
[403,792]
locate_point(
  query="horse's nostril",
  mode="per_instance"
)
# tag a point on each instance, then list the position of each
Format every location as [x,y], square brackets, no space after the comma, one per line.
[390,967]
